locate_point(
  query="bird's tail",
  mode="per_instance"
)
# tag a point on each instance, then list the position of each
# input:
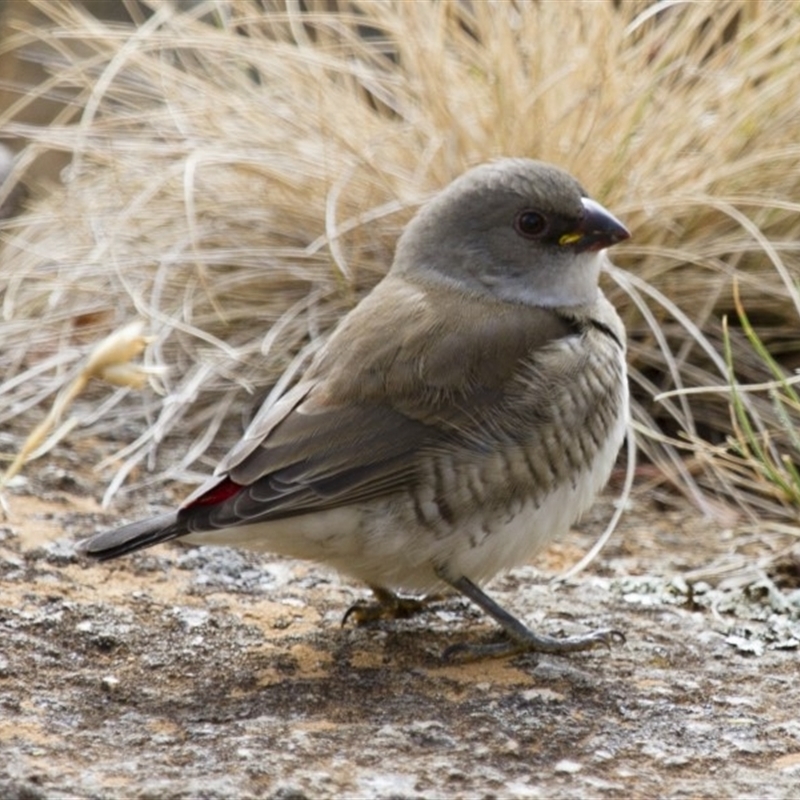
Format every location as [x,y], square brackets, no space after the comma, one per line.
[135,536]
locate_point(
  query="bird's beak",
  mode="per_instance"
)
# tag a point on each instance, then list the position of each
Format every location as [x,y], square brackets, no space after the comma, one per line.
[597,230]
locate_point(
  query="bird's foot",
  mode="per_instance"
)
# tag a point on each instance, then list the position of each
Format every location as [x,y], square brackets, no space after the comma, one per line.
[387,605]
[520,638]
[535,643]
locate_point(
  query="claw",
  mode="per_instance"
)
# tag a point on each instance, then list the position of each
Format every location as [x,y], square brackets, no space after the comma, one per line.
[387,605]
[521,639]
[535,643]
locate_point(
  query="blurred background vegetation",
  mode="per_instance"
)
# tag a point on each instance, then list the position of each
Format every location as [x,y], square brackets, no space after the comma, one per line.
[236,173]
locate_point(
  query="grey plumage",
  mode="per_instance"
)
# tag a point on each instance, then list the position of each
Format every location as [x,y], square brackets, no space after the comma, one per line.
[463,414]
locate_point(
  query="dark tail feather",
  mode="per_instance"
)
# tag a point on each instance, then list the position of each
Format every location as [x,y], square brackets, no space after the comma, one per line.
[132,537]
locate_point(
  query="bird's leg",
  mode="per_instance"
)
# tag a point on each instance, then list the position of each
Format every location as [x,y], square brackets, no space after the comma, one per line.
[521,639]
[387,605]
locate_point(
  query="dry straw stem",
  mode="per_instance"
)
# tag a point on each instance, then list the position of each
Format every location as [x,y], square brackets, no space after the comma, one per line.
[240,172]
[110,361]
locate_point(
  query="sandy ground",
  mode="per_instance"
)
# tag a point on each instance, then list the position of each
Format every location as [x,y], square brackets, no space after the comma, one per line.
[209,673]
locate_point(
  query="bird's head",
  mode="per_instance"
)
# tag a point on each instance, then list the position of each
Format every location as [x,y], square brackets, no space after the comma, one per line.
[519,230]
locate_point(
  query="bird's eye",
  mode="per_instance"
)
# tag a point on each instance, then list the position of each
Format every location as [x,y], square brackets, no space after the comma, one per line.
[530,224]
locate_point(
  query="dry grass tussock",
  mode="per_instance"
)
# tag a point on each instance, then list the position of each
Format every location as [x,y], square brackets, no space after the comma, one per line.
[238,178]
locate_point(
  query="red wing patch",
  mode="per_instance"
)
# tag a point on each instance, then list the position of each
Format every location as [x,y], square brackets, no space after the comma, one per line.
[217,494]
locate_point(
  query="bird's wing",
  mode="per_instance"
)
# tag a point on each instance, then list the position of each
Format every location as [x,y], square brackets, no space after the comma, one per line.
[355,426]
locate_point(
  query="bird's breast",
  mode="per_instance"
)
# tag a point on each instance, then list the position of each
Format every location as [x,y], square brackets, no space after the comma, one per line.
[563,414]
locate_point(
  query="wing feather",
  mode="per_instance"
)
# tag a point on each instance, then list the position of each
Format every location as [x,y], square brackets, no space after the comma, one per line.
[358,423]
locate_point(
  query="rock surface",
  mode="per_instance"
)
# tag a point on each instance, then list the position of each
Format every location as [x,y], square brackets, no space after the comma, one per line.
[210,673]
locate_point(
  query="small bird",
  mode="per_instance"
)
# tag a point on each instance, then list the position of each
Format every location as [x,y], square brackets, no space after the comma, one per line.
[460,417]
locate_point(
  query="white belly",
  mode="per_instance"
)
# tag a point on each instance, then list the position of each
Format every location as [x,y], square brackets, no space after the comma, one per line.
[384,546]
